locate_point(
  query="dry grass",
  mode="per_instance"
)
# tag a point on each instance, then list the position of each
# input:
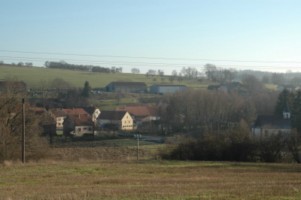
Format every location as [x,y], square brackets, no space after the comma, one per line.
[149,180]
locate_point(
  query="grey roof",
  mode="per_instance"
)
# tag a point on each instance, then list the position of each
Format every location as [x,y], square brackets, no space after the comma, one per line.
[272,122]
[112,115]
[163,85]
[123,83]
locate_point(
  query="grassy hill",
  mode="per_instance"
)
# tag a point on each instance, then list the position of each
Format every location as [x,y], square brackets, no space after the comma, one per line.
[150,180]
[36,77]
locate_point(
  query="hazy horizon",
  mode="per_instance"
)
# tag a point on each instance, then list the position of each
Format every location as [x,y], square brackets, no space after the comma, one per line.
[166,35]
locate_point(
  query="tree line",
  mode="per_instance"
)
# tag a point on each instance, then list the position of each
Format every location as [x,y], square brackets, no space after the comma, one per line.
[90,68]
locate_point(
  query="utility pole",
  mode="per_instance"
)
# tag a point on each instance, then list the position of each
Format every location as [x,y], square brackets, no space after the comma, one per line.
[138,138]
[23,131]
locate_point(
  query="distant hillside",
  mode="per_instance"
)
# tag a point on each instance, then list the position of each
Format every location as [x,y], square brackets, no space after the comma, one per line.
[37,77]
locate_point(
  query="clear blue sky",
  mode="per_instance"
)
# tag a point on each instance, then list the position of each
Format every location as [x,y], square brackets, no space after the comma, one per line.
[179,32]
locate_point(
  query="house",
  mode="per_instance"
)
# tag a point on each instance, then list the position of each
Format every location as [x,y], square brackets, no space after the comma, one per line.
[164,89]
[93,112]
[141,113]
[13,86]
[130,87]
[119,120]
[74,121]
[266,125]
[78,126]
[78,122]
[59,116]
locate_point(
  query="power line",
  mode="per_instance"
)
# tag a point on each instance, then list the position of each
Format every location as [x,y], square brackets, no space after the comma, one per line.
[168,65]
[151,58]
[143,63]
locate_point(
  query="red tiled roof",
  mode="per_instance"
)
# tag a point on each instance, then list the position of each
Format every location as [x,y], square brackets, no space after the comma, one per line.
[58,112]
[139,110]
[75,111]
[82,121]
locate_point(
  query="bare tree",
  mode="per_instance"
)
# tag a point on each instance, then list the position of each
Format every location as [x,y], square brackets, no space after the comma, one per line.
[203,110]
[135,71]
[10,130]
[189,72]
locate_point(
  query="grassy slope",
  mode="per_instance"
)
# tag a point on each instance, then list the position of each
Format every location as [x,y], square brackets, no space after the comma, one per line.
[37,76]
[150,180]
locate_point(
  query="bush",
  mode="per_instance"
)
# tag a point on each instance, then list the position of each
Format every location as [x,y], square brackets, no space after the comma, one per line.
[236,145]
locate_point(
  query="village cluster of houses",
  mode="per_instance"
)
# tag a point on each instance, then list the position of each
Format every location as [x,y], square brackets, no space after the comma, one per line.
[82,121]
[89,121]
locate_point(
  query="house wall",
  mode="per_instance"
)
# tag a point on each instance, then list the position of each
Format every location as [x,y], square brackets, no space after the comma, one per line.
[275,131]
[82,130]
[95,115]
[267,132]
[101,122]
[60,122]
[127,123]
[166,89]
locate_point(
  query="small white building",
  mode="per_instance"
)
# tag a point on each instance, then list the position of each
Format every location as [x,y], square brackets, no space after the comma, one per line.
[266,125]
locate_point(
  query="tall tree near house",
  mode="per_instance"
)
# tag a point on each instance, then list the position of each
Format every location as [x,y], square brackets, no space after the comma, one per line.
[86,90]
[284,102]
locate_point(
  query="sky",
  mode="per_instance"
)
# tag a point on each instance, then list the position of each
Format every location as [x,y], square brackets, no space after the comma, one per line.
[154,34]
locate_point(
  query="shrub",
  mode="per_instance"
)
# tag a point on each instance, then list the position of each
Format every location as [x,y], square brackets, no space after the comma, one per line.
[235,145]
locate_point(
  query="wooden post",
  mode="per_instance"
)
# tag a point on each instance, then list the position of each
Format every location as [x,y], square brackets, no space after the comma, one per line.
[137,146]
[23,131]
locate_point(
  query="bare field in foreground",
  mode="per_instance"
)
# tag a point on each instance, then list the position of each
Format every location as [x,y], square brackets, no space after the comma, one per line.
[149,180]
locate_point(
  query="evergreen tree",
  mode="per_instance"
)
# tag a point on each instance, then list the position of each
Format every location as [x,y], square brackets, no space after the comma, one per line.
[284,102]
[86,90]
[296,112]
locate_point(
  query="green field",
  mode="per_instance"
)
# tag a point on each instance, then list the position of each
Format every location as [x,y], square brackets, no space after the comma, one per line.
[150,180]
[36,77]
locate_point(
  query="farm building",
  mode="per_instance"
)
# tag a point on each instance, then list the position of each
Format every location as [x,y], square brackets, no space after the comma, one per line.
[131,87]
[164,89]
